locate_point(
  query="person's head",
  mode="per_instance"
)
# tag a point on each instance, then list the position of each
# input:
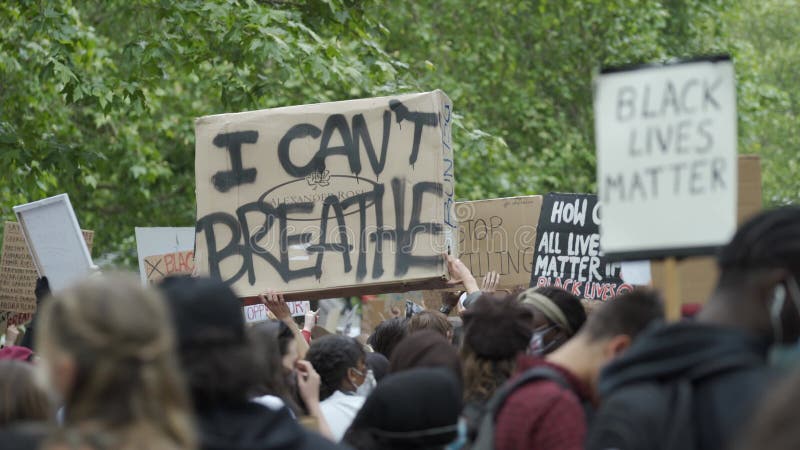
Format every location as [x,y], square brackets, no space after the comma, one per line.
[557,316]
[609,331]
[340,362]
[425,348]
[220,364]
[759,271]
[414,409]
[107,346]
[283,336]
[431,320]
[22,399]
[272,372]
[496,330]
[378,364]
[387,335]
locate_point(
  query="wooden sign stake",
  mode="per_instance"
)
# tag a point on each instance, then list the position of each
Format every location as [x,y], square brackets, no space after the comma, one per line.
[672,289]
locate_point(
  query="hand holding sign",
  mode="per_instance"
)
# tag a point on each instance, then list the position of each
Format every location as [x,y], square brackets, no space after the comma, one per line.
[277,305]
[460,274]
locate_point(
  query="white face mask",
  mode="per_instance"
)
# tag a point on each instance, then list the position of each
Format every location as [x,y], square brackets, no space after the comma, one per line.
[368,385]
[537,345]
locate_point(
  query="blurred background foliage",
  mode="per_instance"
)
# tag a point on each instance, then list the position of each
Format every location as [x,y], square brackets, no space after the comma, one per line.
[98,98]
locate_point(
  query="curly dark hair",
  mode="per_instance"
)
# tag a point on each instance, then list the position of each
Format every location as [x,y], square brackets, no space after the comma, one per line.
[331,356]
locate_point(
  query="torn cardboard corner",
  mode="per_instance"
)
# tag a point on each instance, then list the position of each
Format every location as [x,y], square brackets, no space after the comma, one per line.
[499,235]
[332,199]
[698,276]
[18,273]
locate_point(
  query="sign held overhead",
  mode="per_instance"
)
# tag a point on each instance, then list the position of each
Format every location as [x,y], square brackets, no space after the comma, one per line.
[666,158]
[333,198]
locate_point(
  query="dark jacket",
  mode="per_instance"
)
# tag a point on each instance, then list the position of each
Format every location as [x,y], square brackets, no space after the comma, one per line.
[685,385]
[252,426]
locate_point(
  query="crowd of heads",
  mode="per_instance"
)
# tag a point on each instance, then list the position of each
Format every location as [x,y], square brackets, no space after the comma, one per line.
[118,365]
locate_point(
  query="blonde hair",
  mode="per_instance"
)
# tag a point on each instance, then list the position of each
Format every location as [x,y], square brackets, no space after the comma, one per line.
[127,392]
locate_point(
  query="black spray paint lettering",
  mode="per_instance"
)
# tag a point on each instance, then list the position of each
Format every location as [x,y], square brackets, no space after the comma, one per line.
[420,119]
[243,248]
[224,180]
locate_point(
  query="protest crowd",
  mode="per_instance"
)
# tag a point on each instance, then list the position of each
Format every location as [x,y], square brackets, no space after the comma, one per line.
[110,364]
[531,334]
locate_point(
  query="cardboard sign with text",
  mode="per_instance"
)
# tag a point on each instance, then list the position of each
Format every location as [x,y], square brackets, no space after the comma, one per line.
[159,241]
[568,252]
[666,158]
[698,276]
[160,266]
[258,312]
[18,273]
[499,235]
[327,200]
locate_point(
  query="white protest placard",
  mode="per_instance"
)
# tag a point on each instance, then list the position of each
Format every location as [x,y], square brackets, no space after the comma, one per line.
[155,241]
[258,312]
[666,158]
[327,200]
[55,240]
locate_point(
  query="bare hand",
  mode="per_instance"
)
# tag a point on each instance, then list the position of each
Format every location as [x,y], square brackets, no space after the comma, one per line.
[276,304]
[310,319]
[490,282]
[12,333]
[308,382]
[459,273]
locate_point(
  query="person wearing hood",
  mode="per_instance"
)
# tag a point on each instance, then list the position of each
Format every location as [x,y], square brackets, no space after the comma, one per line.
[694,384]
[411,410]
[222,371]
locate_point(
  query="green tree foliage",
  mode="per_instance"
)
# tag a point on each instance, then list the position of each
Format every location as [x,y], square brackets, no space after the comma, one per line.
[97,98]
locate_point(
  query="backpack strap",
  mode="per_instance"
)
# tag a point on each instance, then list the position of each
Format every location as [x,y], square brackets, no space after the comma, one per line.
[485,438]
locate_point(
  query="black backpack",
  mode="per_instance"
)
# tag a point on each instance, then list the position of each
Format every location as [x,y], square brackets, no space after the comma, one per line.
[483,418]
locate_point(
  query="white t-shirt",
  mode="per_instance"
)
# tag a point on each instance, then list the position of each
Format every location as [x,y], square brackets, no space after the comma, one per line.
[339,411]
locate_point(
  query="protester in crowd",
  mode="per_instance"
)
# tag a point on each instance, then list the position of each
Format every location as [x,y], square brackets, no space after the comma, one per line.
[21,397]
[387,335]
[431,320]
[340,361]
[774,425]
[25,407]
[425,348]
[549,410]
[415,409]
[496,332]
[286,382]
[277,306]
[222,371]
[557,316]
[107,348]
[378,364]
[694,384]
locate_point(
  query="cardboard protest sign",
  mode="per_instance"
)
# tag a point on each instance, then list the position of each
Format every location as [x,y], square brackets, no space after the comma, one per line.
[699,275]
[568,252]
[499,235]
[666,158]
[160,241]
[258,312]
[327,200]
[18,273]
[160,266]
